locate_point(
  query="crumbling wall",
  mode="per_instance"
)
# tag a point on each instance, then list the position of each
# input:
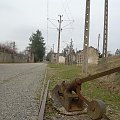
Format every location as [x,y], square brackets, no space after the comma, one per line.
[12,58]
[92,56]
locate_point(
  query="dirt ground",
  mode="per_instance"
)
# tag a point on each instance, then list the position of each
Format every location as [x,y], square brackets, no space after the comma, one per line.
[107,83]
[55,114]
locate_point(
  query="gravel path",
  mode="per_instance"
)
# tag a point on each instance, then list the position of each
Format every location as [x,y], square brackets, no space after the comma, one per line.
[19,90]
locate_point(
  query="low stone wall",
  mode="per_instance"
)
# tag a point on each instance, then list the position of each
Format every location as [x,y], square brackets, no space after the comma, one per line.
[10,58]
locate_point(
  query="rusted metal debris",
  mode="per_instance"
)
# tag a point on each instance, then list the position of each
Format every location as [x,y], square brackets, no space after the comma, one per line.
[70,97]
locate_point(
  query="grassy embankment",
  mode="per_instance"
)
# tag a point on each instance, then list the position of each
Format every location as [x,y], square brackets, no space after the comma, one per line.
[91,90]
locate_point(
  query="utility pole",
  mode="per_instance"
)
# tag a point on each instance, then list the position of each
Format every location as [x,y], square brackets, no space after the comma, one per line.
[53,48]
[14,47]
[59,31]
[71,52]
[86,38]
[13,55]
[105,35]
[98,41]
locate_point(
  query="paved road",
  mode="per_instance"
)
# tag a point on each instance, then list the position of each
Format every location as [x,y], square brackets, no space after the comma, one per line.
[19,90]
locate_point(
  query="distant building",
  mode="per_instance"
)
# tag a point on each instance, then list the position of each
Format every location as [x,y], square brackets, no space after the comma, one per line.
[93,55]
[61,59]
[77,58]
[53,58]
[73,57]
[70,58]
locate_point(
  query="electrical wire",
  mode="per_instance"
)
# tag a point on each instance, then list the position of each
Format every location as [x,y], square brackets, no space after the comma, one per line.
[67,28]
[52,19]
[67,6]
[52,23]
[51,28]
[68,24]
[64,9]
[67,11]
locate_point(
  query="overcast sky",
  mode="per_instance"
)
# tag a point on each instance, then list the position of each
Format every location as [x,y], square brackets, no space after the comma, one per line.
[20,18]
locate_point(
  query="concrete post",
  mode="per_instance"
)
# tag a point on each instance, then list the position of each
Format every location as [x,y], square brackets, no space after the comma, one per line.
[59,31]
[105,34]
[86,38]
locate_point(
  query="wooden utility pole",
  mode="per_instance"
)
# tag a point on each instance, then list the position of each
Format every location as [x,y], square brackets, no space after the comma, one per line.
[105,34]
[86,38]
[59,31]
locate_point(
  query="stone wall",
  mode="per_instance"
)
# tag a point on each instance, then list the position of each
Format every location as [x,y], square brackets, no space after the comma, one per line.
[10,58]
[61,59]
[92,55]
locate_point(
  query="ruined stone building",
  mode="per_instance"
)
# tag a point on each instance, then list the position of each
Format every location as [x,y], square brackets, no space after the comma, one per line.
[93,56]
[77,57]
[70,58]
[53,58]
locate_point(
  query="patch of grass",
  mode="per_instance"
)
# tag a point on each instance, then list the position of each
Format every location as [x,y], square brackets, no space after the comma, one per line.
[57,73]
[118,77]
[91,90]
[49,108]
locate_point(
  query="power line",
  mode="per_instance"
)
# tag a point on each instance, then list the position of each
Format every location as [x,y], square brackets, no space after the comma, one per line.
[69,8]
[67,28]
[51,28]
[52,22]
[64,9]
[68,20]
[69,16]
[52,19]
[68,24]
[49,19]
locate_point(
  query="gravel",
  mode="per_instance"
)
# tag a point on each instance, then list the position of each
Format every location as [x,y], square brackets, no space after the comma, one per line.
[20,90]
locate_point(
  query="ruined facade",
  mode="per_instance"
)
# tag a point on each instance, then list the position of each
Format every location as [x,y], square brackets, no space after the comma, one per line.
[53,58]
[77,58]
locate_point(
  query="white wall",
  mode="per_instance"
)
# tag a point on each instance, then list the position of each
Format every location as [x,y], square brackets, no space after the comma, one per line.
[61,59]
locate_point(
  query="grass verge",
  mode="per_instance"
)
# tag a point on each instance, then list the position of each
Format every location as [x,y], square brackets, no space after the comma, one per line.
[91,90]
